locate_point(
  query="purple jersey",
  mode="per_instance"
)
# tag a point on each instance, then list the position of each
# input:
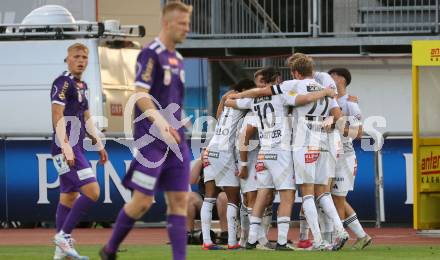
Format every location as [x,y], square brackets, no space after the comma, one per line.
[70,92]
[161,72]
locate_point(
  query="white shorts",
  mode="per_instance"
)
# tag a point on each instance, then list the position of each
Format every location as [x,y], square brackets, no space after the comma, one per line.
[312,166]
[221,167]
[336,150]
[250,183]
[346,169]
[275,170]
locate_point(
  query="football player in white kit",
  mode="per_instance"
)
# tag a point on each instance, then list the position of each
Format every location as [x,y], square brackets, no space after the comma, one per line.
[311,151]
[220,170]
[275,162]
[247,149]
[335,146]
[346,166]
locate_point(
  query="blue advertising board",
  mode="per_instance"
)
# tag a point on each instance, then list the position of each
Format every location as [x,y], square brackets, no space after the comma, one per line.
[29,184]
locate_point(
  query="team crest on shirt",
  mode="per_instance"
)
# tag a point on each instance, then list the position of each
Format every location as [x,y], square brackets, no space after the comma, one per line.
[182,76]
[167,76]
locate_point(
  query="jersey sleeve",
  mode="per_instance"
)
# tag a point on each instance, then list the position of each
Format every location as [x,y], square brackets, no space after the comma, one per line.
[325,80]
[288,92]
[60,90]
[146,68]
[333,104]
[355,113]
[244,103]
[250,119]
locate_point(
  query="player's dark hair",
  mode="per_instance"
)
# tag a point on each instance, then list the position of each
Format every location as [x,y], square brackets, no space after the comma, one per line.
[269,74]
[243,85]
[342,72]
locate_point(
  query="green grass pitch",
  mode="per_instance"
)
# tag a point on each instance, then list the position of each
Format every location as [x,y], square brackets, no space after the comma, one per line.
[195,253]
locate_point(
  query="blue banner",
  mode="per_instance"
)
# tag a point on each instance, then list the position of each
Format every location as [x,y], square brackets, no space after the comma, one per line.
[29,183]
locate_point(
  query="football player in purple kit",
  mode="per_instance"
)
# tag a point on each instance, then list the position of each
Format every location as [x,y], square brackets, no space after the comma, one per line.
[71,123]
[160,83]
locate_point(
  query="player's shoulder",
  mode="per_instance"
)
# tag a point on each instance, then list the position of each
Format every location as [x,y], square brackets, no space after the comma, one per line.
[63,78]
[153,49]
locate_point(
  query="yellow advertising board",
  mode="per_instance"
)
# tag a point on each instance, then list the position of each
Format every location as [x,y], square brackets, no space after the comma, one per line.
[426,138]
[426,53]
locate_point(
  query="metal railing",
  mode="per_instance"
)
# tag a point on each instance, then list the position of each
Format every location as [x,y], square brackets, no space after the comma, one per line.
[249,18]
[370,17]
[290,18]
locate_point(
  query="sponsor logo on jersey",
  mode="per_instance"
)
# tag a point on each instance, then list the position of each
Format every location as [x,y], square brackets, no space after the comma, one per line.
[271,156]
[313,88]
[146,76]
[259,167]
[213,154]
[62,94]
[262,99]
[311,157]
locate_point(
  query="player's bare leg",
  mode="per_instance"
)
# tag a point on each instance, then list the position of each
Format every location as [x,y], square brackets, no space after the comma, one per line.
[206,214]
[287,197]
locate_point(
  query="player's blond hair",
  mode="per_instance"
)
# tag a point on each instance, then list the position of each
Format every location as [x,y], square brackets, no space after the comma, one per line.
[304,66]
[77,46]
[294,57]
[176,6]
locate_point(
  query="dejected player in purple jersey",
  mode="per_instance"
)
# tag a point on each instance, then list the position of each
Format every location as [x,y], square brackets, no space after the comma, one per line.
[161,153]
[71,123]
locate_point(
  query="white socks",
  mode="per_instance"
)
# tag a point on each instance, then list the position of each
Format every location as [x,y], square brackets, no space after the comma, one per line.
[283,224]
[326,203]
[231,215]
[255,229]
[353,223]
[311,215]
[325,224]
[244,223]
[303,227]
[206,218]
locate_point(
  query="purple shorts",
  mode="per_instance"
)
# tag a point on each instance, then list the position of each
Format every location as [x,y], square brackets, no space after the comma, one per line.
[73,178]
[164,172]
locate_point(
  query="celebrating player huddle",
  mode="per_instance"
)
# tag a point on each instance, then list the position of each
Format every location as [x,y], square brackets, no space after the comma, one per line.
[304,142]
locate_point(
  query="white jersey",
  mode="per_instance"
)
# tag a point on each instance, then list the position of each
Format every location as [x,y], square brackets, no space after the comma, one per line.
[226,130]
[324,79]
[274,129]
[249,119]
[307,119]
[354,117]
